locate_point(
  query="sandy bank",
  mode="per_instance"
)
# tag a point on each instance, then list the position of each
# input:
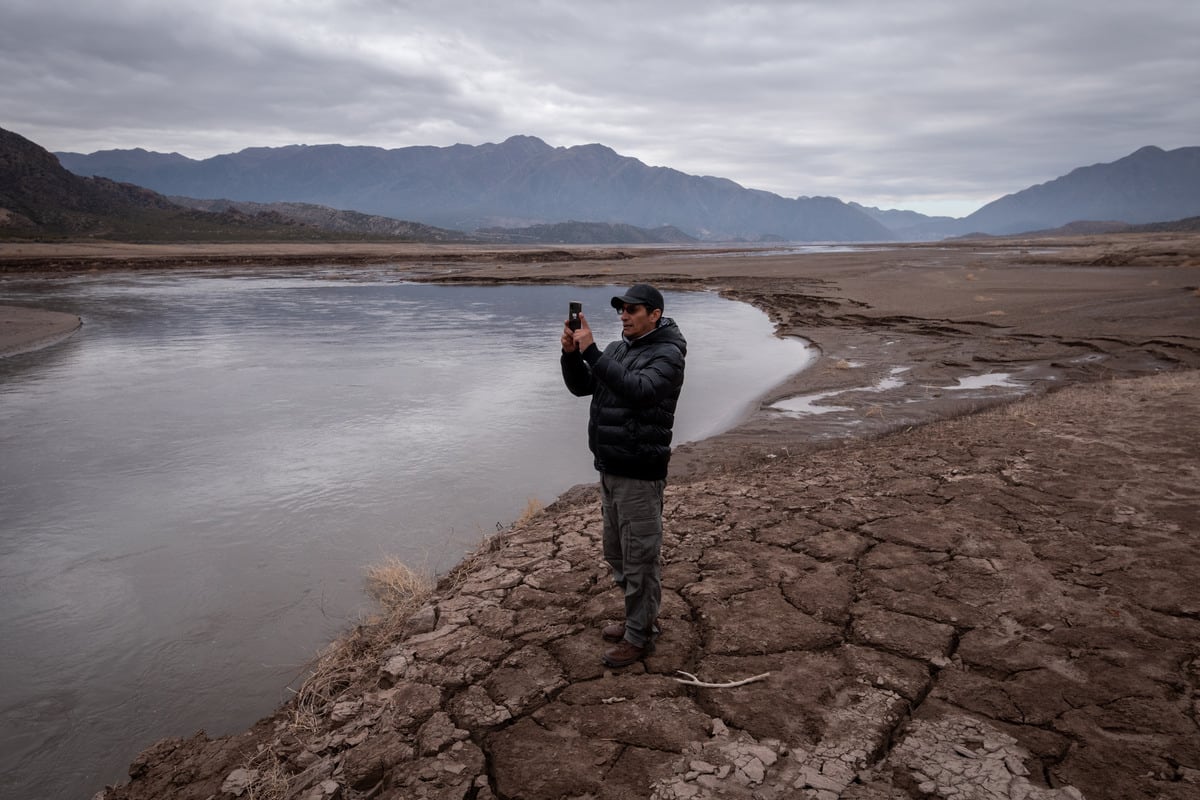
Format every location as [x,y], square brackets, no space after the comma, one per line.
[25,329]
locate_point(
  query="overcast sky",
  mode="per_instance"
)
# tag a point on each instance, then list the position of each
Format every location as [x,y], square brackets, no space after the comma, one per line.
[938,106]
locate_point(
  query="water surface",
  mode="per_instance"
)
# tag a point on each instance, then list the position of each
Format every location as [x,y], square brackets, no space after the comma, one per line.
[193,484]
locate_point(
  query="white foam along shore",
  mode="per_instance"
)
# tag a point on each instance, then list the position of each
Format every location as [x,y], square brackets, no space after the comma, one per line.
[24,329]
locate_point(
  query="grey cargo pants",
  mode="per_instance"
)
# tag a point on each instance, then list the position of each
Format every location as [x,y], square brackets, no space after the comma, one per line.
[632,511]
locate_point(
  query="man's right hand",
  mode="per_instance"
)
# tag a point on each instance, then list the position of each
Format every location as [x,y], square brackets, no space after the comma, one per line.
[582,338]
[568,339]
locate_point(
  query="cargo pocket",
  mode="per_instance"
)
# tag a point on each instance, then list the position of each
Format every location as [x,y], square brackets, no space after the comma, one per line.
[643,538]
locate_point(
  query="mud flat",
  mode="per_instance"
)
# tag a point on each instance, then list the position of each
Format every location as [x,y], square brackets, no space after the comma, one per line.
[956,558]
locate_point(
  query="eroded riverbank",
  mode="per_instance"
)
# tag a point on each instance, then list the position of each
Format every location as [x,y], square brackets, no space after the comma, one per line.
[999,605]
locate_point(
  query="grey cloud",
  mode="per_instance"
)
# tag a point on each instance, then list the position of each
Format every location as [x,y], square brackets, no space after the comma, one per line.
[881,102]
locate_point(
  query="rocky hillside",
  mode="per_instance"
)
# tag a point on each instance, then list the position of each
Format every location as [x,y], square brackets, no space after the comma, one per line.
[331,219]
[357,223]
[41,199]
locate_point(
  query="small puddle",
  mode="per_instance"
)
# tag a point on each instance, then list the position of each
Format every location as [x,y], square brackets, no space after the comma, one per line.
[810,404]
[807,404]
[990,380]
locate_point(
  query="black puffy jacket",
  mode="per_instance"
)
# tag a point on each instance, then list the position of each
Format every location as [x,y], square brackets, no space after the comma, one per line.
[634,388]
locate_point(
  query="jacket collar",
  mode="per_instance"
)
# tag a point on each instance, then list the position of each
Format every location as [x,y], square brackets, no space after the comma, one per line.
[662,323]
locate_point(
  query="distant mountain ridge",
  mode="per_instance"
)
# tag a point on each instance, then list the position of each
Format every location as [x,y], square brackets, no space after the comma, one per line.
[1149,185]
[330,219]
[585,233]
[520,182]
[912,225]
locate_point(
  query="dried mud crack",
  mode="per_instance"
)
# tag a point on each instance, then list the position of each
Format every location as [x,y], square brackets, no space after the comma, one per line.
[1003,605]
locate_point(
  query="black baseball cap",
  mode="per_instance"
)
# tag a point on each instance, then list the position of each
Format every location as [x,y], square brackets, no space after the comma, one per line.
[640,294]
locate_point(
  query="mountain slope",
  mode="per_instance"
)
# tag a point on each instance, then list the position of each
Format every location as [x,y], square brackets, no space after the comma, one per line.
[585,233]
[39,198]
[1149,185]
[1094,228]
[519,182]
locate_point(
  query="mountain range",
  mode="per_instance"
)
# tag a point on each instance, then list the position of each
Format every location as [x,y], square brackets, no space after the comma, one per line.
[522,190]
[40,199]
[520,182]
[524,182]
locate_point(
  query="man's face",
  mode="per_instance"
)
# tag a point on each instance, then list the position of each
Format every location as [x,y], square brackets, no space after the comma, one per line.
[638,320]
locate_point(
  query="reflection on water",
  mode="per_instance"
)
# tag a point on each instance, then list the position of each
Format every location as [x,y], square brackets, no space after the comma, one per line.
[192,485]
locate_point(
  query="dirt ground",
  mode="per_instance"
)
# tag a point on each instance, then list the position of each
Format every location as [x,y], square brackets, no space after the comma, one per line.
[934,591]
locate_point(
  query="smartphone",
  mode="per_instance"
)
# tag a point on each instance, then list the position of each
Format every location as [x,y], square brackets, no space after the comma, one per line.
[573,315]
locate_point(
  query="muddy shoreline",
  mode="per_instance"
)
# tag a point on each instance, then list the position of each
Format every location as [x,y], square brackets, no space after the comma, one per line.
[954,594]
[1046,312]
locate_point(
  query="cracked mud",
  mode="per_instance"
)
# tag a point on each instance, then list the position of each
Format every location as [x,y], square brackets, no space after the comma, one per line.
[949,612]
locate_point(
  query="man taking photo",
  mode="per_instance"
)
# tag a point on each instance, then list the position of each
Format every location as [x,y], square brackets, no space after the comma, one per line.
[634,385]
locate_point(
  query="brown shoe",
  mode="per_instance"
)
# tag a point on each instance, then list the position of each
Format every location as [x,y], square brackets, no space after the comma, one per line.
[615,631]
[625,654]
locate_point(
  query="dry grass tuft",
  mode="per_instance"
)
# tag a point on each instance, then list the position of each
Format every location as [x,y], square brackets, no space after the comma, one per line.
[400,590]
[335,671]
[460,571]
[842,364]
[1170,383]
[270,781]
[488,543]
[273,783]
[533,507]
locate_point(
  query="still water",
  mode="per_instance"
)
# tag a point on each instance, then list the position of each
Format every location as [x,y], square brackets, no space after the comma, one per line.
[192,485]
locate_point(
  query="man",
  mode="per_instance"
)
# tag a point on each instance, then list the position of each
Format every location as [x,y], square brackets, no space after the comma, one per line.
[634,385]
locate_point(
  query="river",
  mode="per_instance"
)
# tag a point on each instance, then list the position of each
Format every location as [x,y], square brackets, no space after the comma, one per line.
[192,485]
